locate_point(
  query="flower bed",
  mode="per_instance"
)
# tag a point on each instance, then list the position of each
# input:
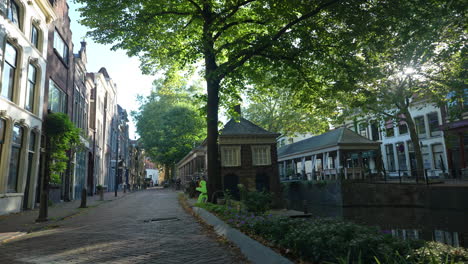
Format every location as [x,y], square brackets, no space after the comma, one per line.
[333,241]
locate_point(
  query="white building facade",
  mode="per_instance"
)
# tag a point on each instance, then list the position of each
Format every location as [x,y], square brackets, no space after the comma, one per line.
[396,146]
[23,53]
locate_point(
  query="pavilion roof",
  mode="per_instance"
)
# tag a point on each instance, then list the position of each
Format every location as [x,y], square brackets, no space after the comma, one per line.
[337,137]
[244,127]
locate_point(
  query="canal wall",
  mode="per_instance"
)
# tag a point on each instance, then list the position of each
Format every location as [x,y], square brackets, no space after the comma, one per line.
[358,194]
[324,197]
[446,197]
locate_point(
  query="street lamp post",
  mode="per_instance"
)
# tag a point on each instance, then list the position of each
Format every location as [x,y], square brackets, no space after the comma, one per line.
[117,163]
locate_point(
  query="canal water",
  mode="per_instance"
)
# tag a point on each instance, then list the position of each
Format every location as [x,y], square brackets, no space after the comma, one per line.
[446,226]
[438,213]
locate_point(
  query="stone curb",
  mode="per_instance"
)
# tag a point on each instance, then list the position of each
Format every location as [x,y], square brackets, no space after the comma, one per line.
[253,250]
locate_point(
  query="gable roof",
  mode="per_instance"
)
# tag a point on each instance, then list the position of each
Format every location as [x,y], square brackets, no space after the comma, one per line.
[339,136]
[244,127]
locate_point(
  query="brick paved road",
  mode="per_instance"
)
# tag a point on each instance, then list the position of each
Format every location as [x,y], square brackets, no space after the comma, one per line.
[119,232]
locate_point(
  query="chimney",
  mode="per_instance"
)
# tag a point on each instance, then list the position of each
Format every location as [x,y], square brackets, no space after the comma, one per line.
[83,45]
[237,109]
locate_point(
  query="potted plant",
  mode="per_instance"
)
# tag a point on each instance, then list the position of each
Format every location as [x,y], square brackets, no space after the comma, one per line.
[100,191]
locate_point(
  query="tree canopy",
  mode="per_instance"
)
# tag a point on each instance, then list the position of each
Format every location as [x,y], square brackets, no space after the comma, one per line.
[234,37]
[169,121]
[315,48]
[277,110]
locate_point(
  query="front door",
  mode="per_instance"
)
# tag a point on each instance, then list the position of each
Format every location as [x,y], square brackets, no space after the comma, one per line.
[230,183]
[28,181]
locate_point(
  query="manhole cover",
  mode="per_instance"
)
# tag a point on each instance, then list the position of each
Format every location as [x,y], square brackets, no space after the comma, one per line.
[161,219]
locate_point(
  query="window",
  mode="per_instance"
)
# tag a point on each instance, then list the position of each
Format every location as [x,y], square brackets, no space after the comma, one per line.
[401,156]
[402,128]
[9,71]
[2,135]
[426,157]
[13,13]
[375,131]
[230,156]
[389,131]
[31,88]
[363,129]
[420,126]
[433,120]
[35,36]
[447,237]
[57,98]
[261,155]
[438,155]
[16,147]
[61,47]
[390,157]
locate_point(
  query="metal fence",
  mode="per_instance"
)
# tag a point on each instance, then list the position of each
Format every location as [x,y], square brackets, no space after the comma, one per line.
[426,176]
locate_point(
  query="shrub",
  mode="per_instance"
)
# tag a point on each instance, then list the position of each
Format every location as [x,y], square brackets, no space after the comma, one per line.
[255,202]
[435,252]
[321,240]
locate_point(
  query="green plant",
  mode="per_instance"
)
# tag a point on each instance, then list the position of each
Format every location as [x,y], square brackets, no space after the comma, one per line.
[63,136]
[435,252]
[228,197]
[321,184]
[320,240]
[256,202]
[99,188]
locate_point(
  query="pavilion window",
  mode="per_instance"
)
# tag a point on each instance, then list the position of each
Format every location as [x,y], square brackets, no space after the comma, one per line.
[261,155]
[230,156]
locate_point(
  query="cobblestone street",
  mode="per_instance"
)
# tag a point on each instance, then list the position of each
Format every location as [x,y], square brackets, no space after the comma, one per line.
[143,227]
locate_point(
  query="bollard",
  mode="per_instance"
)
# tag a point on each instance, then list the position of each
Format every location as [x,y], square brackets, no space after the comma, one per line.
[84,196]
[304,206]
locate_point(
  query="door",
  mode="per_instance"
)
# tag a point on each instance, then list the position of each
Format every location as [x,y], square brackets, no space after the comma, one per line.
[230,183]
[28,181]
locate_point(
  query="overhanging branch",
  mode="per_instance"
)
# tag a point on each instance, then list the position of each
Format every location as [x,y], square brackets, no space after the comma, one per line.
[248,53]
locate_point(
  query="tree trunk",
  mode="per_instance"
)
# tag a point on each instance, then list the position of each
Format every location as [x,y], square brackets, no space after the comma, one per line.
[68,178]
[416,146]
[44,199]
[214,179]
[167,176]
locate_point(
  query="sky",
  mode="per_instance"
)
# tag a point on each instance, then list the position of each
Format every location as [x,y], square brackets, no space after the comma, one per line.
[124,71]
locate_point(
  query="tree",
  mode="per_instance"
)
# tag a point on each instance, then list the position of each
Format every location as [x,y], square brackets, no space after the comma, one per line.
[421,61]
[276,110]
[169,123]
[61,136]
[232,37]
